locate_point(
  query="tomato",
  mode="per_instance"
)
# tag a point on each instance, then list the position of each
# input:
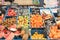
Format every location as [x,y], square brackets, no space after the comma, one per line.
[55,32]
[11,12]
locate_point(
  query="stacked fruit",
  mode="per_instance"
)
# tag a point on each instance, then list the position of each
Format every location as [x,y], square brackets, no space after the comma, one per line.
[11,12]
[23,21]
[54,32]
[36,35]
[36,21]
[10,21]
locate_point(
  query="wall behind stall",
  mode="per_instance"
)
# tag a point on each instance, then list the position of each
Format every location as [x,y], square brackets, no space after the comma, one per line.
[23,2]
[51,3]
[20,2]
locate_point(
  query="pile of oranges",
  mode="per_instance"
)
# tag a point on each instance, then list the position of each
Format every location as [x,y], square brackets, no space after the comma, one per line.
[36,35]
[36,21]
[54,32]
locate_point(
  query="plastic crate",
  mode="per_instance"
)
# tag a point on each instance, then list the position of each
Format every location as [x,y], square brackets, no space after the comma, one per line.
[35,10]
[40,31]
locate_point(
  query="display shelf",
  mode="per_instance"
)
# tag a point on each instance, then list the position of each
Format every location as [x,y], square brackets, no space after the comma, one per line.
[43,30]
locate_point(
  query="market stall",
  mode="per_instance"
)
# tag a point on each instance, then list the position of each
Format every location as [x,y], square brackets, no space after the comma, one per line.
[29,20]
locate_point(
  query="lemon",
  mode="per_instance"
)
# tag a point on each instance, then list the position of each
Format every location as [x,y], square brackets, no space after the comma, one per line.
[36,32]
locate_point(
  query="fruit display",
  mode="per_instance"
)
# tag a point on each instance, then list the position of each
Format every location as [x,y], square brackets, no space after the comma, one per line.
[11,12]
[36,21]
[26,23]
[9,21]
[36,35]
[23,21]
[54,32]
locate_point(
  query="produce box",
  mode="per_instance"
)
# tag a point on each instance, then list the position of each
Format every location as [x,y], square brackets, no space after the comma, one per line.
[54,32]
[38,34]
[36,20]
